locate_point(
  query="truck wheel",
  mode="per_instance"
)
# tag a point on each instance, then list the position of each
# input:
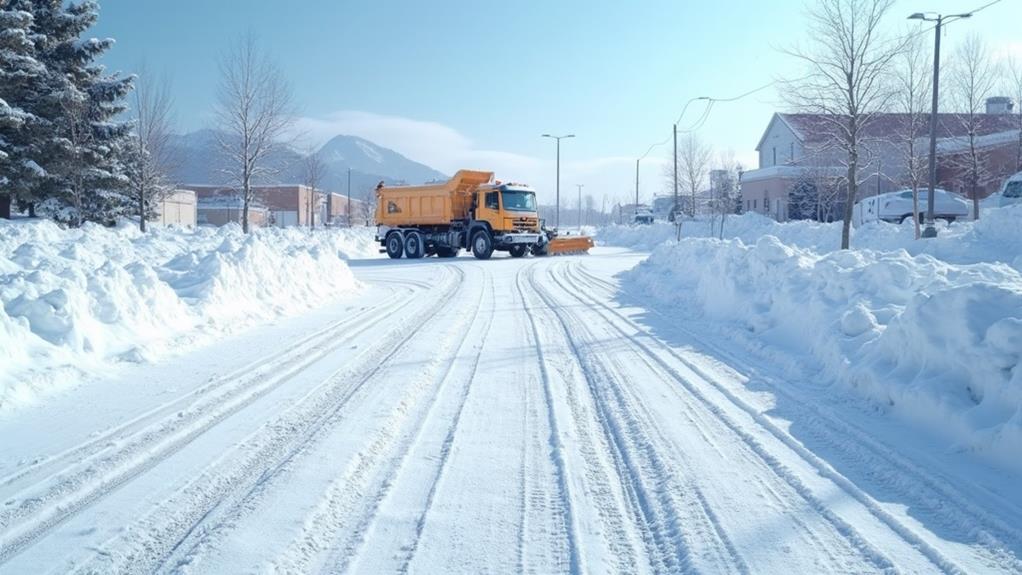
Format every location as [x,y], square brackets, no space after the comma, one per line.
[415,248]
[446,252]
[482,245]
[394,246]
[519,251]
[540,250]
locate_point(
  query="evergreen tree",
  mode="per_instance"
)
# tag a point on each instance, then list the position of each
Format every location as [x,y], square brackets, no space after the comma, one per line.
[82,176]
[21,78]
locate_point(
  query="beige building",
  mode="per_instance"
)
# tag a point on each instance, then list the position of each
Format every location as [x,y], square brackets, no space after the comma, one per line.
[800,151]
[178,209]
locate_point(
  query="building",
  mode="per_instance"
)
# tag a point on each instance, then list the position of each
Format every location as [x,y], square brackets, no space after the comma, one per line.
[178,209]
[224,209]
[336,210]
[287,205]
[799,156]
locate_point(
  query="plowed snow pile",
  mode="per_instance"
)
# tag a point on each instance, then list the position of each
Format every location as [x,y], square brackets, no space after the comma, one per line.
[936,343]
[73,301]
[997,236]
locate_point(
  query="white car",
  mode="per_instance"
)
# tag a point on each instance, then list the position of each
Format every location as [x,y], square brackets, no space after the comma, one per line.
[896,207]
[1011,191]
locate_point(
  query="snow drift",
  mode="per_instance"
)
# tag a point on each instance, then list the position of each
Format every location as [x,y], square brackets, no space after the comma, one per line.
[935,343]
[996,237]
[74,301]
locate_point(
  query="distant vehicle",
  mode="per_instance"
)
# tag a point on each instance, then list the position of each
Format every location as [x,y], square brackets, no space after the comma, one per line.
[1011,191]
[896,207]
[642,215]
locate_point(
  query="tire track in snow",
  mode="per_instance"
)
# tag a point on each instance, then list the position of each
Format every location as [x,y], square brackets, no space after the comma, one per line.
[557,457]
[99,474]
[408,543]
[142,547]
[46,468]
[915,487]
[913,539]
[339,524]
[636,405]
[646,476]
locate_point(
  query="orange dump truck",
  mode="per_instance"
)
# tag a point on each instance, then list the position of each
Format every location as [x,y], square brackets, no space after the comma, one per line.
[469,211]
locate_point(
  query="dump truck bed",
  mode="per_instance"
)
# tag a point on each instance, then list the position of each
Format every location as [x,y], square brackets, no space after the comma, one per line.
[431,204]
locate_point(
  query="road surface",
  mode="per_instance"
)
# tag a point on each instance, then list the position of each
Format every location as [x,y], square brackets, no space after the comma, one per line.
[470,417]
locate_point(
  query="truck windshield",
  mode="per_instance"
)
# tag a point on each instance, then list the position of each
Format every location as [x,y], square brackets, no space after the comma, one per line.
[519,201]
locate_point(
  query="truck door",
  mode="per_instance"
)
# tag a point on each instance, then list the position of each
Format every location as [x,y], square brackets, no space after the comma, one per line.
[489,211]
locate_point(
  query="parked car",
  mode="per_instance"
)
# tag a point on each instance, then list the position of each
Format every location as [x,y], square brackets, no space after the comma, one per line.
[642,215]
[896,207]
[1011,191]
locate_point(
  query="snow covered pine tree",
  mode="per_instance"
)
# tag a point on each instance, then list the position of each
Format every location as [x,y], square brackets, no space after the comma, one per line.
[81,176]
[20,76]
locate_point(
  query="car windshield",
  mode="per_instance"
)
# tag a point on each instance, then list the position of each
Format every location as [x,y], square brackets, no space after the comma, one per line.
[519,201]
[1013,190]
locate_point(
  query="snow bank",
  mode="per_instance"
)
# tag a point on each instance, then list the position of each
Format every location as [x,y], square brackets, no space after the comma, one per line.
[937,344]
[996,237]
[74,301]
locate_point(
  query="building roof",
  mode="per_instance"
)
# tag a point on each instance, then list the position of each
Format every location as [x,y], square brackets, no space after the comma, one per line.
[818,128]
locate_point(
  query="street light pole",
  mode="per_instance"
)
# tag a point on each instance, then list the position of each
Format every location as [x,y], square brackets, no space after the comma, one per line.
[931,230]
[557,210]
[349,197]
[579,207]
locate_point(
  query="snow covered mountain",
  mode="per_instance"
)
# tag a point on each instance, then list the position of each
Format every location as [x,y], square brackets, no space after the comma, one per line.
[198,161]
[343,152]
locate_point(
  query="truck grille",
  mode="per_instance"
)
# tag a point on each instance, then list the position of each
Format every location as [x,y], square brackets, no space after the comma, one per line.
[525,224]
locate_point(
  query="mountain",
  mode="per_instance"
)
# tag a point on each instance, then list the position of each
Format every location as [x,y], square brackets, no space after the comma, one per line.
[197,160]
[364,156]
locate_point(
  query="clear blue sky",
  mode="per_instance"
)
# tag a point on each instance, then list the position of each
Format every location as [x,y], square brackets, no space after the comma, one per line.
[473,84]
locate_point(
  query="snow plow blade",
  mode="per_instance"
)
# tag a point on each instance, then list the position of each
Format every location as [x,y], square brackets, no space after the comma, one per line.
[569,245]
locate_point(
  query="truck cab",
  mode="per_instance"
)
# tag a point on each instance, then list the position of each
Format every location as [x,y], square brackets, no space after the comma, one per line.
[510,213]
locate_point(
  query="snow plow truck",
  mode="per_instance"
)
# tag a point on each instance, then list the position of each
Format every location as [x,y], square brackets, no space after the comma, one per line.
[470,211]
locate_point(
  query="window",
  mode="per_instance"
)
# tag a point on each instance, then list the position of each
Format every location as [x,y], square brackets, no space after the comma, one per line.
[519,201]
[754,204]
[775,156]
[493,201]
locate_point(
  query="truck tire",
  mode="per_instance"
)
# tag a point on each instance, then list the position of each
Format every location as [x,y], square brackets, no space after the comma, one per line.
[482,245]
[519,251]
[415,247]
[540,250]
[446,252]
[395,247]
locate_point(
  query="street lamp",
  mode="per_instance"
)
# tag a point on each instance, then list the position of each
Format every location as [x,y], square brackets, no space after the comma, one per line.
[580,207]
[931,230]
[557,212]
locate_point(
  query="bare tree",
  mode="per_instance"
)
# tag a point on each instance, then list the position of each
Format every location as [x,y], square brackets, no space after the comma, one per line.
[313,170]
[848,60]
[724,190]
[149,159]
[913,81]
[254,111]
[1013,86]
[972,81]
[694,159]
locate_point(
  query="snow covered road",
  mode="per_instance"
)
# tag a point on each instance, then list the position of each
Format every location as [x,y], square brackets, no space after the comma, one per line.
[500,416]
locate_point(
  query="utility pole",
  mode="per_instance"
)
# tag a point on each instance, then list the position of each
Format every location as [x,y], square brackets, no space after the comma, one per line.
[579,208]
[557,211]
[931,229]
[676,171]
[636,184]
[349,197]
